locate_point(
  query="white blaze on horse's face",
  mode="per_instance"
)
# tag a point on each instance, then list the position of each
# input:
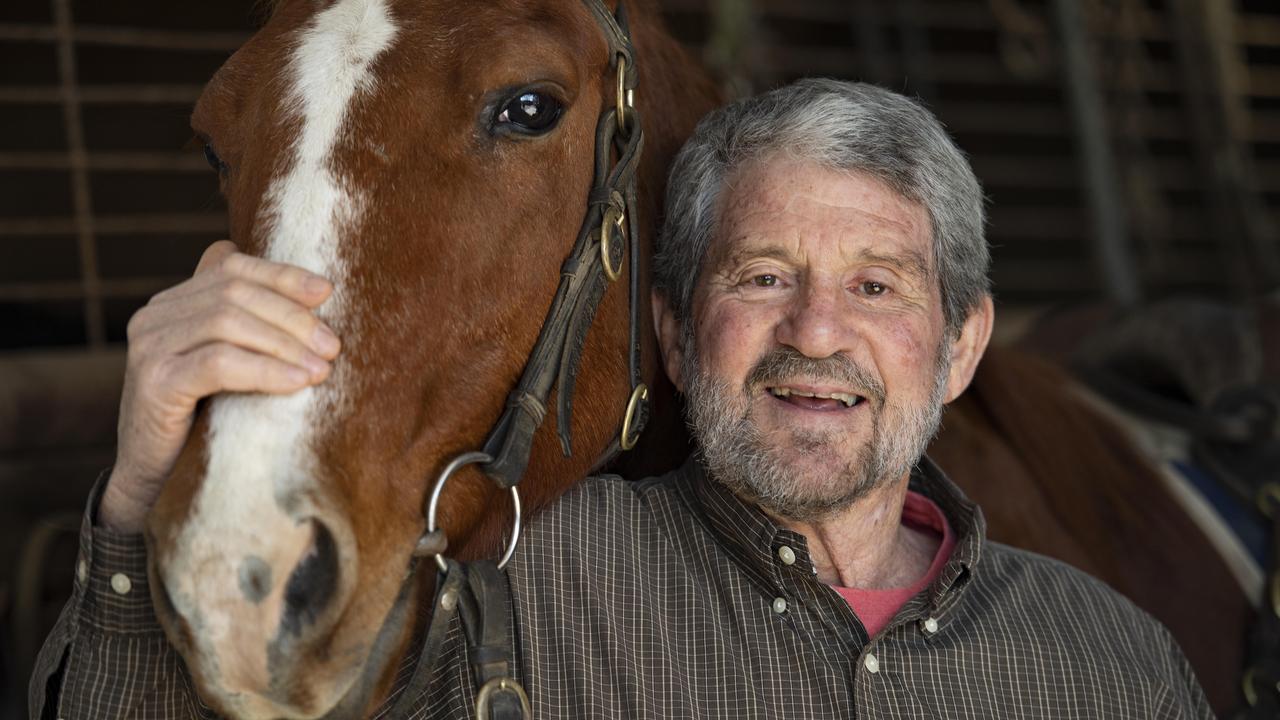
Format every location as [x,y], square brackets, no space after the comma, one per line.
[250,523]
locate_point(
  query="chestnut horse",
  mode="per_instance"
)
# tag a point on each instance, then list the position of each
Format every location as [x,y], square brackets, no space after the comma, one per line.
[433,158]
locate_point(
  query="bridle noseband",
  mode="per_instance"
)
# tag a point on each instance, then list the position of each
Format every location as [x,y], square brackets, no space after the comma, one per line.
[478,591]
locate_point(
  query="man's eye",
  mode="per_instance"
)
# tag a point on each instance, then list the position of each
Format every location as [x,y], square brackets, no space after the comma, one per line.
[873,288]
[765,280]
[530,113]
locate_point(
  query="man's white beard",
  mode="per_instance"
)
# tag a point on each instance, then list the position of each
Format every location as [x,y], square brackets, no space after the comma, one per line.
[742,458]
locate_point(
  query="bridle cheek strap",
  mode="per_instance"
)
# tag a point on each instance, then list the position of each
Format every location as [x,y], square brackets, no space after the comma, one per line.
[478,593]
[608,232]
[608,238]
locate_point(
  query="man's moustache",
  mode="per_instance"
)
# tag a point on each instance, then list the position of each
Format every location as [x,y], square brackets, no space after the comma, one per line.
[783,363]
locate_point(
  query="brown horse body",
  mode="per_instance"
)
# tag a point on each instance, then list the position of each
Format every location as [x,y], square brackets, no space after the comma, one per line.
[447,235]
[1055,476]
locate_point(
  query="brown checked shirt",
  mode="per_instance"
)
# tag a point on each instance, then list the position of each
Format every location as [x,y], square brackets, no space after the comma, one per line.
[671,598]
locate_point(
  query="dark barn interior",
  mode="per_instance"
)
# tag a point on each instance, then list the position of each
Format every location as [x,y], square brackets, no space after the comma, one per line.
[1130,150]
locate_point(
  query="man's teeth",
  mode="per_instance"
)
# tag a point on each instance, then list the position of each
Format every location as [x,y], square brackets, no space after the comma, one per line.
[846,398]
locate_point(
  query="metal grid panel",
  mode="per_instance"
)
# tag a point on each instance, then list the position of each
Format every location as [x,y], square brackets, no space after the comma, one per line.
[101,205]
[994,72]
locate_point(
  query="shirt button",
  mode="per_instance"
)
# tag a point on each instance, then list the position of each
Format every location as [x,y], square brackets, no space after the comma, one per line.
[931,626]
[787,555]
[121,584]
[779,605]
[82,570]
[871,663]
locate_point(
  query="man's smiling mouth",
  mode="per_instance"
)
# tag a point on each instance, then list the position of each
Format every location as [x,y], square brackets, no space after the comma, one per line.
[815,400]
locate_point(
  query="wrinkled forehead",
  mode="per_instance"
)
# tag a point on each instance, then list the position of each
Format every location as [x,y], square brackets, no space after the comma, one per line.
[780,204]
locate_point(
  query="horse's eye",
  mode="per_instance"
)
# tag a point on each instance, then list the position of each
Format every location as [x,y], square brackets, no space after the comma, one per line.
[530,112]
[212,158]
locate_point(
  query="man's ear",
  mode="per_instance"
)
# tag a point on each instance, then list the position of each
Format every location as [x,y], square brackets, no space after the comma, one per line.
[667,327]
[967,350]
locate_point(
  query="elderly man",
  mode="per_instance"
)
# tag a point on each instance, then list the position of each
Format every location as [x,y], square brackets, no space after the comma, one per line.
[821,293]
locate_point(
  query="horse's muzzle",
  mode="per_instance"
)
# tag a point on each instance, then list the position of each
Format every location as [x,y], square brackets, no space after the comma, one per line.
[258,617]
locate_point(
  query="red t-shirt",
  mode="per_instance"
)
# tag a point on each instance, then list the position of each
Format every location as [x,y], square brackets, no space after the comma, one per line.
[875,608]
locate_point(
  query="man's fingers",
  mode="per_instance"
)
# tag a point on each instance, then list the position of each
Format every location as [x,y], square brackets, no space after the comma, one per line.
[288,280]
[242,328]
[222,263]
[221,303]
[222,367]
[280,311]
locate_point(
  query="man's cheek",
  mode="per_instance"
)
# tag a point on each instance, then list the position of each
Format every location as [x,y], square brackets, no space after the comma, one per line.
[732,343]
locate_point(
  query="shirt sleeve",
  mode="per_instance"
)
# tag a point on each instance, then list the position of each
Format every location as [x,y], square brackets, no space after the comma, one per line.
[1181,694]
[107,656]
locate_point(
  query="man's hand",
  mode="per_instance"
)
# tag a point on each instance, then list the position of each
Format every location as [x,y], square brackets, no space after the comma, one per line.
[241,324]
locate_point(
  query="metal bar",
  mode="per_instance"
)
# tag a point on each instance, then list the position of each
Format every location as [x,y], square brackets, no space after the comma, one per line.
[176,224]
[731,46]
[1258,29]
[121,288]
[1213,73]
[966,68]
[127,37]
[1060,173]
[873,51]
[940,14]
[916,54]
[103,94]
[1025,120]
[82,201]
[126,161]
[1101,179]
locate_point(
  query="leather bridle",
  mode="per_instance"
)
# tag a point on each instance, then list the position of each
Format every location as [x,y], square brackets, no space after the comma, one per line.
[478,591]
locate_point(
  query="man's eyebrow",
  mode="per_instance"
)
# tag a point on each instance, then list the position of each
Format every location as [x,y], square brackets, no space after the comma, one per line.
[908,261]
[774,252]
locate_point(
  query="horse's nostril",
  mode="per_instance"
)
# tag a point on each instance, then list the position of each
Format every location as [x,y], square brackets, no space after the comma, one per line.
[312,584]
[255,578]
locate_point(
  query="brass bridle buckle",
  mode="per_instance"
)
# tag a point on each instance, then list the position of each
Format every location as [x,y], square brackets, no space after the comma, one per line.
[501,684]
[624,97]
[630,420]
[615,216]
[470,458]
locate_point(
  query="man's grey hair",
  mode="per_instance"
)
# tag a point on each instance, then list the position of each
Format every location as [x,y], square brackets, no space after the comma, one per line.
[842,126]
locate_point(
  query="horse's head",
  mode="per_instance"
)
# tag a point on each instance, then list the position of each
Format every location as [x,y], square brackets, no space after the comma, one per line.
[433,159]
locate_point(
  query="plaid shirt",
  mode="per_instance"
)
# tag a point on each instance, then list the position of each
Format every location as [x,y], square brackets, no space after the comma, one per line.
[670,598]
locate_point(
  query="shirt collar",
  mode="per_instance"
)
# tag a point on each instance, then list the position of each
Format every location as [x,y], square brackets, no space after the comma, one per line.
[753,539]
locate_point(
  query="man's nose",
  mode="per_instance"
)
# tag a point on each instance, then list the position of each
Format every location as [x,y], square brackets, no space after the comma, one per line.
[818,322]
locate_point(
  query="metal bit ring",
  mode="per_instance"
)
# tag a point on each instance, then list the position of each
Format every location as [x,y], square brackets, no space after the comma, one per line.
[470,458]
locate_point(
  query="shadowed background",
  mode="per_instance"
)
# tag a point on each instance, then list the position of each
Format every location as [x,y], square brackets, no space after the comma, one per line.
[1130,150]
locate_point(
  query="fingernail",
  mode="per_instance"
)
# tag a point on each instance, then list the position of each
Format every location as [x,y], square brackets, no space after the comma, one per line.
[316,284]
[297,375]
[316,366]
[324,341]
